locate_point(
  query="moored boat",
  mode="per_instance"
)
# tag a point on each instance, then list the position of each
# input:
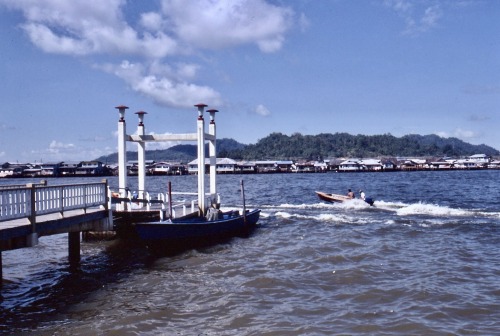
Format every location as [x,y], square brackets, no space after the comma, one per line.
[205,223]
[194,231]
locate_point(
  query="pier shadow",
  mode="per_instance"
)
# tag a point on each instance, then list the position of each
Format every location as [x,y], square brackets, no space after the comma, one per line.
[43,297]
[30,302]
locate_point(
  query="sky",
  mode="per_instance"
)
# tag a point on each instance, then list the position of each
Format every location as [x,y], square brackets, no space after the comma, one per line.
[306,66]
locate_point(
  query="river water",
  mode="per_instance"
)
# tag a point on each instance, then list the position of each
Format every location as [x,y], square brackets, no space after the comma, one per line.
[425,260]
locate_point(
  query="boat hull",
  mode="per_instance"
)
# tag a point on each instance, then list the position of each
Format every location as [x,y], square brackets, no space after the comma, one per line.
[180,234]
[336,198]
[333,198]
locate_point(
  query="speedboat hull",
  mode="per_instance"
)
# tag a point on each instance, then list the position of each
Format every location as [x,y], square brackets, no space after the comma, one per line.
[336,198]
[333,198]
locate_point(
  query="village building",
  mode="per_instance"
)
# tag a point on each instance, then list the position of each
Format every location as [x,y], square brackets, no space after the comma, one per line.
[222,166]
[266,167]
[90,168]
[167,168]
[304,167]
[246,167]
[350,165]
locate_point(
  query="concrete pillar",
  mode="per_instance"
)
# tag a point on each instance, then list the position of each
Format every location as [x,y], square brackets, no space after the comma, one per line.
[141,155]
[122,151]
[201,159]
[74,247]
[212,152]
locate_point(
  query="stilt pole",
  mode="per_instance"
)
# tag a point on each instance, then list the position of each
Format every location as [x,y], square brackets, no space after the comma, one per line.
[74,247]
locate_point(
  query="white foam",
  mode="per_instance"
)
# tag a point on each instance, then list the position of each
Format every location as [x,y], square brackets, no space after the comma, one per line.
[431,209]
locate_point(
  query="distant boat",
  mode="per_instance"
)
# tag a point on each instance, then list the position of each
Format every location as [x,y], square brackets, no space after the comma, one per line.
[336,198]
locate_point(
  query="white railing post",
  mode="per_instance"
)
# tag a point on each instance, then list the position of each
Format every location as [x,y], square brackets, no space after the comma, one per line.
[32,239]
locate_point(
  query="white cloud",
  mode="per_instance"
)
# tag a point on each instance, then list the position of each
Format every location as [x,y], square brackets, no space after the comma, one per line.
[60,151]
[458,133]
[88,28]
[419,17]
[262,110]
[168,88]
[464,134]
[151,21]
[82,27]
[304,22]
[56,146]
[226,23]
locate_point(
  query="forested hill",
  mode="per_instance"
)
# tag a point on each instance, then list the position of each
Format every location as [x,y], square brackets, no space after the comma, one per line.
[312,147]
[279,146]
[178,153]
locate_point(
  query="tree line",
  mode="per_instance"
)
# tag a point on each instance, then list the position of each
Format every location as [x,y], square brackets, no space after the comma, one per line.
[278,146]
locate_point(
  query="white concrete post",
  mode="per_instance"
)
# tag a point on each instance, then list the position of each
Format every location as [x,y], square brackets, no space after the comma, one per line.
[212,152]
[122,151]
[141,156]
[201,159]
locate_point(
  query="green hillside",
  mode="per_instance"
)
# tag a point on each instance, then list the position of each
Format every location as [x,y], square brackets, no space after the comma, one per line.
[313,147]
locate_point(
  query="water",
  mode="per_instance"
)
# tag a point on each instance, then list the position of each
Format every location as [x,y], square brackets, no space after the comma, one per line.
[424,261]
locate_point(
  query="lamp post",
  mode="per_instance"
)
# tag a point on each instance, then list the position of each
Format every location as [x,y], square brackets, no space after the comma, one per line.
[122,151]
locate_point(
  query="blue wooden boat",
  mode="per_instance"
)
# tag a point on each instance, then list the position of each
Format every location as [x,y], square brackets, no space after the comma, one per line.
[188,232]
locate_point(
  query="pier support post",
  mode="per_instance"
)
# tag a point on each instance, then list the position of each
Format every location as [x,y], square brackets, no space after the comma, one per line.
[141,156]
[212,153]
[201,159]
[122,152]
[1,270]
[74,247]
[32,238]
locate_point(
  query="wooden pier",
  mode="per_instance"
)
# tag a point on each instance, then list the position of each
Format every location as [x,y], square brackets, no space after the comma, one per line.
[30,211]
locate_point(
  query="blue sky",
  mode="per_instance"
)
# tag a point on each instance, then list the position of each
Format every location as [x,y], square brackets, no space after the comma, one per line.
[361,67]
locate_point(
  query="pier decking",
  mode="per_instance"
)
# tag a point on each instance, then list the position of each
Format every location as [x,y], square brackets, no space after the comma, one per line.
[34,210]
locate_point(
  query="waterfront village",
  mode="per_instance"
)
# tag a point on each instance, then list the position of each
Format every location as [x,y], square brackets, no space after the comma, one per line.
[230,166]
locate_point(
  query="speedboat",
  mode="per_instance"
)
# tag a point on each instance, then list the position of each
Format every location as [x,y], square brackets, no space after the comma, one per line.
[336,198]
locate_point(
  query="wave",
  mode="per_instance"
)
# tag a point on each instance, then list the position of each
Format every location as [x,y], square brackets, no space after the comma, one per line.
[322,217]
[436,210]
[358,211]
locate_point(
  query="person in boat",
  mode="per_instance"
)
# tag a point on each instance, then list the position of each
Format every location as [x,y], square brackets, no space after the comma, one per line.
[213,212]
[362,195]
[368,200]
[351,194]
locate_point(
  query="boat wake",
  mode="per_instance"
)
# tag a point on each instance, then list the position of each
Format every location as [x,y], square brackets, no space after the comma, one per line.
[357,211]
[435,210]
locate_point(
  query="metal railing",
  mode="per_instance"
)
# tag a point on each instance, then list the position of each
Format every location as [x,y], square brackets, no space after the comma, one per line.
[185,203]
[32,200]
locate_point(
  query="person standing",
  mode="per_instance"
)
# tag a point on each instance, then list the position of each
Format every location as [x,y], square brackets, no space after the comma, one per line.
[362,195]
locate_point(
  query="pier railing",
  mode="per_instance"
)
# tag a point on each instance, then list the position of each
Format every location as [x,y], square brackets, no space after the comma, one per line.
[34,200]
[185,203]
